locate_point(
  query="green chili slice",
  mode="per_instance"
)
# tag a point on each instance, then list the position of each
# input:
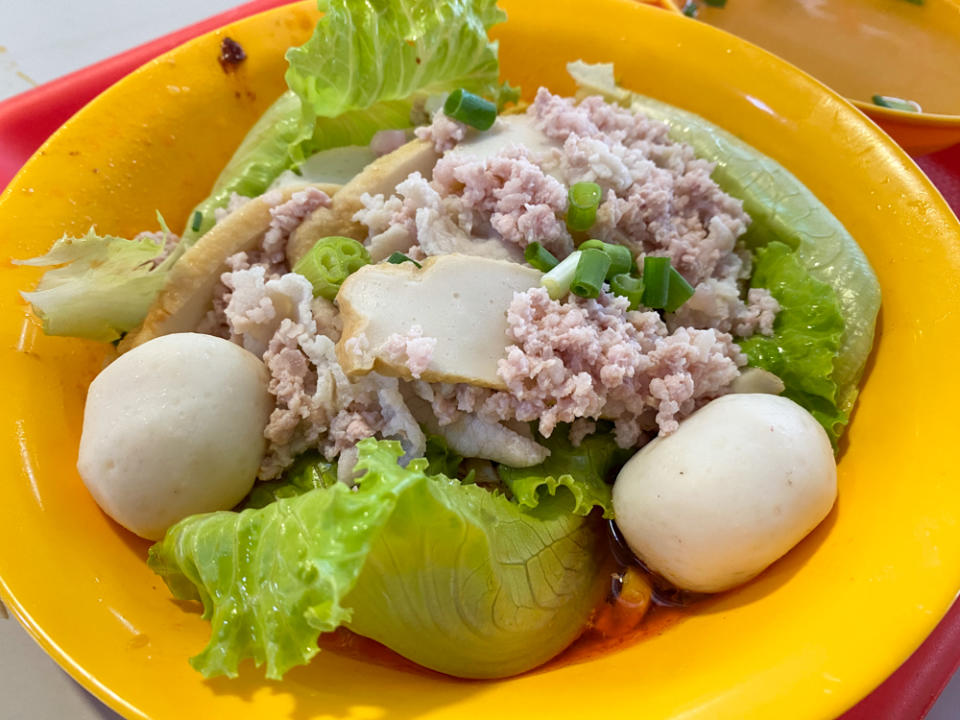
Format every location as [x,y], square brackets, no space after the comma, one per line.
[329,262]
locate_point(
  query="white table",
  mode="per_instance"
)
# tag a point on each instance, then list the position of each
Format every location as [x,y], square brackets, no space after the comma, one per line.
[39,42]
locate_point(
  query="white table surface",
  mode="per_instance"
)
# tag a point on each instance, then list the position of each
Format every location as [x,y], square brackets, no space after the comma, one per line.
[39,42]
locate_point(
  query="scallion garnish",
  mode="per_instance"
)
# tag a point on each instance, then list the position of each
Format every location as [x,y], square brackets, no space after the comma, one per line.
[679,291]
[584,199]
[621,259]
[539,257]
[689,9]
[590,273]
[629,287]
[329,262]
[398,257]
[895,103]
[656,281]
[470,109]
[196,221]
[716,3]
[557,281]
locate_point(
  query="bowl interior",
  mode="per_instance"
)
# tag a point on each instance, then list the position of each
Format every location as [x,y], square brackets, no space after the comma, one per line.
[805,640]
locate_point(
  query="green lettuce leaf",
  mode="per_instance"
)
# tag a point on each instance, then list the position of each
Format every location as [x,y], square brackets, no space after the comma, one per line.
[309,472]
[271,146]
[807,335]
[451,576]
[364,54]
[367,67]
[584,471]
[783,209]
[103,287]
[441,459]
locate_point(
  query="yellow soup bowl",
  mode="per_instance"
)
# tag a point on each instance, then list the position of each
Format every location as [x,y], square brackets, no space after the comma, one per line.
[807,639]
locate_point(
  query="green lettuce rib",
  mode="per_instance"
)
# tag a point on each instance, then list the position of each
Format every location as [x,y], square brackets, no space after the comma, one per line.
[452,576]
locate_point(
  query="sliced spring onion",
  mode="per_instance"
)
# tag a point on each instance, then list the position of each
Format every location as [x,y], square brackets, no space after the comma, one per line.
[716,3]
[196,221]
[590,273]
[629,287]
[398,257]
[656,281]
[895,103]
[330,261]
[557,281]
[584,199]
[539,257]
[679,291]
[689,9]
[470,109]
[621,259]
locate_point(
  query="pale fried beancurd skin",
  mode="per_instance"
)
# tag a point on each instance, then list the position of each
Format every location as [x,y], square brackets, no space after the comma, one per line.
[173,428]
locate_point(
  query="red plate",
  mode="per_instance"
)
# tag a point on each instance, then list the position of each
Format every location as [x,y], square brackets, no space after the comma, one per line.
[27,120]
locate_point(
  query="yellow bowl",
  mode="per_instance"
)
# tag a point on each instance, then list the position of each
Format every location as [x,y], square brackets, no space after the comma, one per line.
[806,640]
[811,38]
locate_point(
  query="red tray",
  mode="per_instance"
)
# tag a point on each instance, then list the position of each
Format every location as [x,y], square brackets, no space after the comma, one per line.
[27,120]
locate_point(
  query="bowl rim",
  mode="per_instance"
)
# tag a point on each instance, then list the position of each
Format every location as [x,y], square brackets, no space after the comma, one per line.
[107,695]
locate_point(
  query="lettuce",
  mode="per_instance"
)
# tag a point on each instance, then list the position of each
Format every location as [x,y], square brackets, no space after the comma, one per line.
[272,145]
[104,287]
[441,458]
[807,335]
[783,210]
[456,578]
[367,67]
[309,472]
[584,471]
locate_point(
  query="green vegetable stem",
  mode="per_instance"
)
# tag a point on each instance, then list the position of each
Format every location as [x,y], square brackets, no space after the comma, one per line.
[621,259]
[678,291]
[470,109]
[629,287]
[591,270]
[583,201]
[557,281]
[656,281]
[539,257]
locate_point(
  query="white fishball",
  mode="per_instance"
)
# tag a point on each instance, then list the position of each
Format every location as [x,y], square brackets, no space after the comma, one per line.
[172,428]
[742,481]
